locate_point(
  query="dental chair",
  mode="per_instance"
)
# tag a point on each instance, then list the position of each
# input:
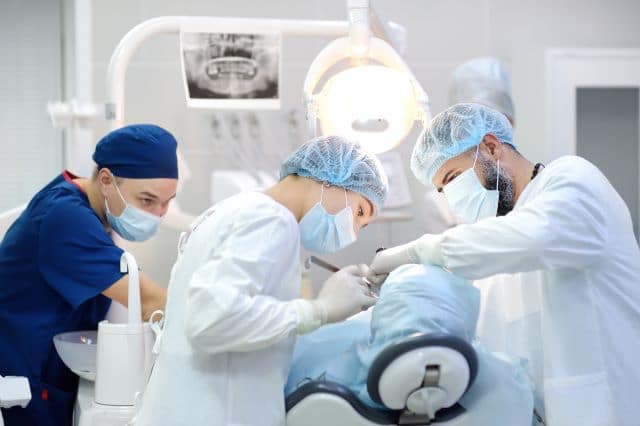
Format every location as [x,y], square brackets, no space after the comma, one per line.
[419,380]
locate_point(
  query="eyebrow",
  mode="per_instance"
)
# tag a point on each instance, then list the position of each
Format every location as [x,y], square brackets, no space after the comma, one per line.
[154,196]
[370,204]
[444,179]
[149,195]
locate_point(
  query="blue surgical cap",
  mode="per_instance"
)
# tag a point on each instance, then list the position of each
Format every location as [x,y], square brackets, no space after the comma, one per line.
[425,299]
[342,163]
[454,131]
[139,151]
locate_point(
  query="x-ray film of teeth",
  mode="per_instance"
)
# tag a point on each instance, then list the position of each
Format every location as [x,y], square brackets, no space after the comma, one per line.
[225,70]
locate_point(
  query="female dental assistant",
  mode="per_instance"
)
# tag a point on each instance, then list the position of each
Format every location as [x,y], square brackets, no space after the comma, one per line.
[233,309]
[59,268]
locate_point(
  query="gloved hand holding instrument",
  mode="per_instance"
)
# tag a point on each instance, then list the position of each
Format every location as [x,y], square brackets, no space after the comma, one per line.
[425,250]
[364,269]
[344,294]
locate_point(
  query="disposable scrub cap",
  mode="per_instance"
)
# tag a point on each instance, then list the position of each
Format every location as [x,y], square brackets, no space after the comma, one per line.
[454,131]
[342,163]
[139,151]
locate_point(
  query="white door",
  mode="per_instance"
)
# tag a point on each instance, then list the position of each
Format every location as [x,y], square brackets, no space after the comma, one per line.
[593,110]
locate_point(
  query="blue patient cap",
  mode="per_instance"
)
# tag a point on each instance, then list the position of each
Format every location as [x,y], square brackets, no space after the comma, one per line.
[425,299]
[138,151]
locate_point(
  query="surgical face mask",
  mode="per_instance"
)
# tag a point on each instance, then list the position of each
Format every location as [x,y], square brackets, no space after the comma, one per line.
[321,232]
[468,199]
[133,224]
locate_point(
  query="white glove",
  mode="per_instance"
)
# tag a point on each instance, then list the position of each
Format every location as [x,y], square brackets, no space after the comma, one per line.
[424,250]
[344,294]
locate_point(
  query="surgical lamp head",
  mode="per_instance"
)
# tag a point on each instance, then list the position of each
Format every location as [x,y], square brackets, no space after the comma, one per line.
[375,104]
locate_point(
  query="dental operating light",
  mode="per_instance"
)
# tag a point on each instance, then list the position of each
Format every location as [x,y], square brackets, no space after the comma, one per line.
[372,104]
[375,101]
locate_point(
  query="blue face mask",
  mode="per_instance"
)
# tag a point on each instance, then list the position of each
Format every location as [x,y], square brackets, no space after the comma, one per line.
[321,232]
[468,199]
[133,224]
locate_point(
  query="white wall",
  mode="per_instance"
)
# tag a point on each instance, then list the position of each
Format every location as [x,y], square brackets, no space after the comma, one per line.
[30,75]
[441,35]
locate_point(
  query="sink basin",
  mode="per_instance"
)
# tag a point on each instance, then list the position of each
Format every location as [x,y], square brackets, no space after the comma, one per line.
[77,349]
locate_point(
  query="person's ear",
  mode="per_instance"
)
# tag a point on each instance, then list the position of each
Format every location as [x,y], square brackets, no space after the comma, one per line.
[105,179]
[492,146]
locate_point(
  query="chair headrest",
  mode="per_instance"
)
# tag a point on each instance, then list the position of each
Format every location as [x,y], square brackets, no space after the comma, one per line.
[417,341]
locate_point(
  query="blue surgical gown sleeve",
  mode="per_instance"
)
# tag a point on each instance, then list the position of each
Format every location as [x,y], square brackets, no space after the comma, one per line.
[229,305]
[76,256]
[563,226]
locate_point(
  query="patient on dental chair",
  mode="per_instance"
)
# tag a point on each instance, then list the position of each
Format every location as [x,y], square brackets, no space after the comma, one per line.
[415,299]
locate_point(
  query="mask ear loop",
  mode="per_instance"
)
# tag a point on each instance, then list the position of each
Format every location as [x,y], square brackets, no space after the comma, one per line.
[474,166]
[476,157]
[346,200]
[498,177]
[475,160]
[118,189]
[106,203]
[322,184]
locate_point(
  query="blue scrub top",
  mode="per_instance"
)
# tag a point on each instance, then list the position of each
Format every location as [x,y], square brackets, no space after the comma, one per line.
[55,261]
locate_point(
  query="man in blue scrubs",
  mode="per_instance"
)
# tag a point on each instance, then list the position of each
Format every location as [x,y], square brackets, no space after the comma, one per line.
[60,269]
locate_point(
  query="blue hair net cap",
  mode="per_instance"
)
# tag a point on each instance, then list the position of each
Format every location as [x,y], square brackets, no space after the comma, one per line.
[342,163]
[454,131]
[138,151]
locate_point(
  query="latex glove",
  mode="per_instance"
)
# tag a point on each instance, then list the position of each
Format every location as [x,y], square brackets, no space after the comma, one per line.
[344,294]
[389,259]
[425,250]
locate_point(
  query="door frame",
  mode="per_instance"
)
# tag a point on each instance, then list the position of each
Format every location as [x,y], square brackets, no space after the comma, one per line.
[570,69]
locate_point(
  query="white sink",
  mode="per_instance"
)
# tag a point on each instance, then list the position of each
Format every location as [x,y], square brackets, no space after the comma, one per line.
[78,351]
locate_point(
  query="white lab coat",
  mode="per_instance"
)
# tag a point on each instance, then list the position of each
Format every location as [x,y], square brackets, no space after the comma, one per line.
[229,328]
[572,305]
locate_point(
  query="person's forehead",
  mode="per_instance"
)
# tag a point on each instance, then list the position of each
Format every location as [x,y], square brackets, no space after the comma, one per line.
[459,161]
[156,185]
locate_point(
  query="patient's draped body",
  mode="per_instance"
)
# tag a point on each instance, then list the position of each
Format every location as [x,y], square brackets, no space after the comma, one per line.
[414,299]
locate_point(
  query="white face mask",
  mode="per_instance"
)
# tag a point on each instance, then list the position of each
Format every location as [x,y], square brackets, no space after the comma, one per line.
[468,199]
[321,232]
